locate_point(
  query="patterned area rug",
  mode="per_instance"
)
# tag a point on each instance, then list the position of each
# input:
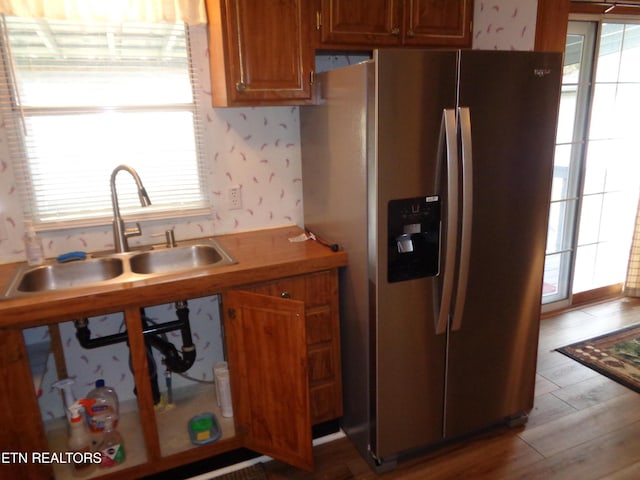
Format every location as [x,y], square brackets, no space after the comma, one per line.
[616,355]
[254,472]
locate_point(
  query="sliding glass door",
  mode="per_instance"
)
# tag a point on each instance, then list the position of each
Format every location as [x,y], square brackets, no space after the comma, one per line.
[597,162]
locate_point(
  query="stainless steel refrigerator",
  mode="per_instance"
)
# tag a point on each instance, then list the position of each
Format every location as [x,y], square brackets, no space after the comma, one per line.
[433,170]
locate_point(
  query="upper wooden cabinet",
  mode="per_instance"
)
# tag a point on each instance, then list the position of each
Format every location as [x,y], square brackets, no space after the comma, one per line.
[438,22]
[374,23]
[359,22]
[260,53]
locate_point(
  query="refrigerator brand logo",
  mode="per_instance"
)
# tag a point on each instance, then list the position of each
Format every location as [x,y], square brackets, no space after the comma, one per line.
[541,72]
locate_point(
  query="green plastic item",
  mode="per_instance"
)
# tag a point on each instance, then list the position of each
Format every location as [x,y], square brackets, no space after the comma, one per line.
[204,429]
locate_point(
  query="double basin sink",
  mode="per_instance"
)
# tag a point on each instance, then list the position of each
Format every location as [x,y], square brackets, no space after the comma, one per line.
[105,269]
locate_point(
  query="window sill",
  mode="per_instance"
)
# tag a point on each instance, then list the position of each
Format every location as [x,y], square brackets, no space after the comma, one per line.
[138,216]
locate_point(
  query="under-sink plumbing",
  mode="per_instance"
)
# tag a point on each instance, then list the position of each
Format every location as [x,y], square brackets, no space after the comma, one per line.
[154,337]
[120,232]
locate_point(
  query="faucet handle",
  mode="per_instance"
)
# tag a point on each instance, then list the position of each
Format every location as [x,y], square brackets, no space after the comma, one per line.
[169,236]
[133,231]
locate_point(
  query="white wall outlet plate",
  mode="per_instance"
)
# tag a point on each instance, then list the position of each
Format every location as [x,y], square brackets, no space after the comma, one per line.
[3,227]
[235,197]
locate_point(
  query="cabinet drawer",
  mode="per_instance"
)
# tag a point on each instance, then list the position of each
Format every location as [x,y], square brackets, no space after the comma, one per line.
[313,289]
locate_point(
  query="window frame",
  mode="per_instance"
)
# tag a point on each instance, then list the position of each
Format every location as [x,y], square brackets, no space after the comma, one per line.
[20,160]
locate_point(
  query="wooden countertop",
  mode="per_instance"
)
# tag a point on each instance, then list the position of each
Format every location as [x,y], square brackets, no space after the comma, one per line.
[261,256]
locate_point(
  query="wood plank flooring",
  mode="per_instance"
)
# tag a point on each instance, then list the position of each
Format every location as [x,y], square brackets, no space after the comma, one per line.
[583,425]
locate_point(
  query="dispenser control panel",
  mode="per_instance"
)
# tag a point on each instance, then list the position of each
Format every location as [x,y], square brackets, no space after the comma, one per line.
[413,238]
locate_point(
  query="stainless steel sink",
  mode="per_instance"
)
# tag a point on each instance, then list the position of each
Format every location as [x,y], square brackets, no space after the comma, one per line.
[117,268]
[178,258]
[69,275]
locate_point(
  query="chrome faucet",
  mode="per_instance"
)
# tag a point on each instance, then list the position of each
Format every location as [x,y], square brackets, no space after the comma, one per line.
[120,232]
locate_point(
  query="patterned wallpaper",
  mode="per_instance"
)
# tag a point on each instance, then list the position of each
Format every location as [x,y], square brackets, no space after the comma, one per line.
[257,148]
[504,24]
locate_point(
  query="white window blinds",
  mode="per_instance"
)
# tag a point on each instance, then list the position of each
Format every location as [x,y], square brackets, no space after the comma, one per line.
[79,100]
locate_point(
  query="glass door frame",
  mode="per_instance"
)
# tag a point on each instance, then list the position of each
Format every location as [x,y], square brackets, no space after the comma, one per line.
[570,201]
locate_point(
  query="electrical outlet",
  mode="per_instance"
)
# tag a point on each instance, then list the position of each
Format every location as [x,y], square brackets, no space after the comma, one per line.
[235,197]
[3,227]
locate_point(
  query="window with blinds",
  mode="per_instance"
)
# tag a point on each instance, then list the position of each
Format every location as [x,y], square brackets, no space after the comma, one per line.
[79,100]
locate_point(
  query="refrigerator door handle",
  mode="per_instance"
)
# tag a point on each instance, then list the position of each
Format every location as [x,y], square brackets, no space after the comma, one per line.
[464,122]
[448,137]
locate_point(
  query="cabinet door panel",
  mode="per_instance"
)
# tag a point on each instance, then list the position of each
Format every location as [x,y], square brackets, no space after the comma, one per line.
[319,292]
[320,325]
[323,404]
[374,22]
[438,22]
[267,353]
[22,430]
[266,57]
[321,364]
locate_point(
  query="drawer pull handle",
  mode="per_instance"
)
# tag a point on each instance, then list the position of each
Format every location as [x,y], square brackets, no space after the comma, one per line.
[285,294]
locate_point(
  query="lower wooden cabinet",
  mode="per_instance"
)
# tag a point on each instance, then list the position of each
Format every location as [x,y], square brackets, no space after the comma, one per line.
[282,341]
[319,293]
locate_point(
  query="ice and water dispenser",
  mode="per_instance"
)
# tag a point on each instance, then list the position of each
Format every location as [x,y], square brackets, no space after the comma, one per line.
[414,238]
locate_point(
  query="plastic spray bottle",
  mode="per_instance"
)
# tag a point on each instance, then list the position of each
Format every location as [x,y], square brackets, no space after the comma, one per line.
[95,434]
[112,447]
[32,245]
[64,386]
[79,443]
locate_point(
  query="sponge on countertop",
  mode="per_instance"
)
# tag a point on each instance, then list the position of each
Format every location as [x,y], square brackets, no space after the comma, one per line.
[71,256]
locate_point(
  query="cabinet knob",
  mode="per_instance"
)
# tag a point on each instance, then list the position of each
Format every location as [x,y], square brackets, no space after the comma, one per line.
[241,86]
[285,294]
[395,31]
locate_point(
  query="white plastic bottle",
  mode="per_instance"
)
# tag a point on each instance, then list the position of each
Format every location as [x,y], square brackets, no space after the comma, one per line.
[32,245]
[79,443]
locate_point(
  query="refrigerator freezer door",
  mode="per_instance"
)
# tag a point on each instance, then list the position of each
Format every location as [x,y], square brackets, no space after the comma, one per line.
[513,103]
[413,89]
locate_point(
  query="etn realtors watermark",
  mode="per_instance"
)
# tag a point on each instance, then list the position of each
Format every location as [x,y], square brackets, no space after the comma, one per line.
[51,457]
